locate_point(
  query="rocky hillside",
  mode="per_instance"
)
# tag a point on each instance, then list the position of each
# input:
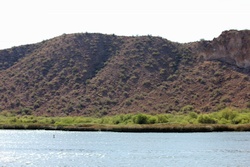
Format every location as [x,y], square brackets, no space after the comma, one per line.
[97,74]
[231,46]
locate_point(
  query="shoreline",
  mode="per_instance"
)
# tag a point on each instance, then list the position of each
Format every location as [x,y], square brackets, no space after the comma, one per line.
[135,128]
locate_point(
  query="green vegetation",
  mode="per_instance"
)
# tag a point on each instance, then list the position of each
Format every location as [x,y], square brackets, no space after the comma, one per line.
[225,119]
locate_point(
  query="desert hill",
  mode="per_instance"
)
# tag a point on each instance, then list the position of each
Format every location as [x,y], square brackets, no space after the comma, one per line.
[98,74]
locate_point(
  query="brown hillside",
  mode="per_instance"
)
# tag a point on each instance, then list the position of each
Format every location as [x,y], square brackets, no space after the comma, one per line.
[96,74]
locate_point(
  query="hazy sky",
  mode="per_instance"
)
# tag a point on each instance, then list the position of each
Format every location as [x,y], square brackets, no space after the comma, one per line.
[31,21]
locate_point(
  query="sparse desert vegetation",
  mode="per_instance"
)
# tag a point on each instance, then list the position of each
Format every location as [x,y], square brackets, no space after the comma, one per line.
[116,80]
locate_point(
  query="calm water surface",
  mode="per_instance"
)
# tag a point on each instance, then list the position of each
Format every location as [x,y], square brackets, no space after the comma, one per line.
[59,148]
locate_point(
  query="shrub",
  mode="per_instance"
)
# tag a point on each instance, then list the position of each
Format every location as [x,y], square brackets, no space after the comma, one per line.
[140,97]
[193,115]
[248,104]
[241,119]
[65,121]
[152,120]
[162,72]
[224,121]
[146,84]
[162,118]
[140,119]
[25,111]
[228,114]
[127,118]
[6,113]
[128,102]
[12,120]
[187,108]
[206,119]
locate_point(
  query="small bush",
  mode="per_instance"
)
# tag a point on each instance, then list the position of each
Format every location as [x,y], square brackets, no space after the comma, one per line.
[152,120]
[193,115]
[125,119]
[206,119]
[25,111]
[241,119]
[248,104]
[128,102]
[140,119]
[162,118]
[228,114]
[146,84]
[187,108]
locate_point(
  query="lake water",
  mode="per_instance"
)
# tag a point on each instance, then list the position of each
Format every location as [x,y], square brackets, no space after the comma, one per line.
[93,149]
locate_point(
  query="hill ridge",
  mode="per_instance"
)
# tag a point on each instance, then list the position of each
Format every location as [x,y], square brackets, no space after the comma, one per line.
[98,74]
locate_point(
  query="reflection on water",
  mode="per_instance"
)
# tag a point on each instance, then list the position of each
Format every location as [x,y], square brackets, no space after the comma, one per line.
[58,148]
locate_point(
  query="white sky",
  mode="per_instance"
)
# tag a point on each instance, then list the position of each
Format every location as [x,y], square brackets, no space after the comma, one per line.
[31,21]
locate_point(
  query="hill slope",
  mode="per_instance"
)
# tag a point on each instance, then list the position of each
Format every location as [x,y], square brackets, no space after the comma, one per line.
[97,74]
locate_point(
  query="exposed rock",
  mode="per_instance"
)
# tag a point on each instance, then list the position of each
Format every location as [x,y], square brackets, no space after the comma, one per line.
[231,46]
